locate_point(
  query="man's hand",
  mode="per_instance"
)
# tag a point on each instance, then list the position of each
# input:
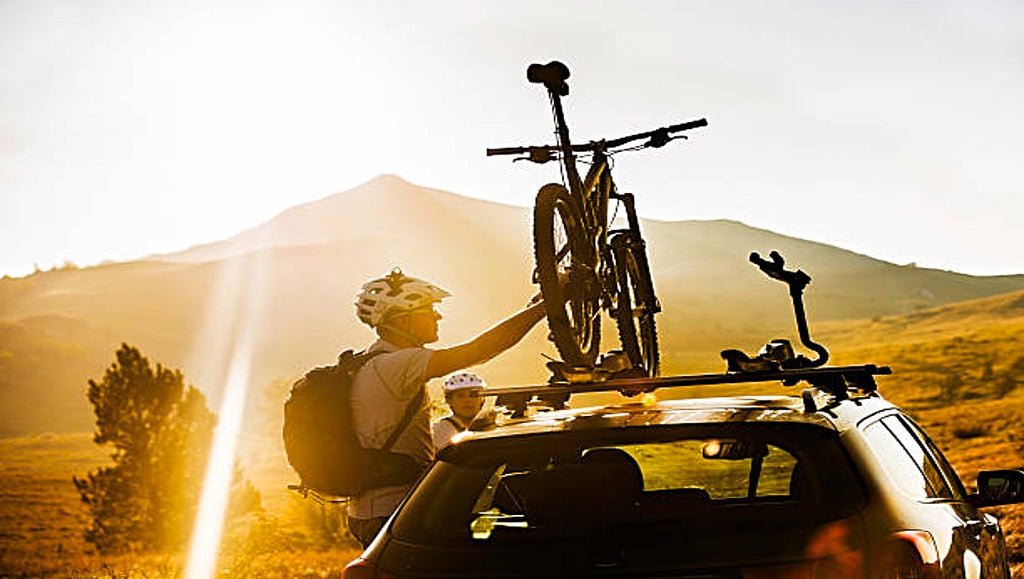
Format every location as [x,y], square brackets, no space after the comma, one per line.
[537,298]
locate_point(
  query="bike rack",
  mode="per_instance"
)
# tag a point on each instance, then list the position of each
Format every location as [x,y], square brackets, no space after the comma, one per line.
[837,381]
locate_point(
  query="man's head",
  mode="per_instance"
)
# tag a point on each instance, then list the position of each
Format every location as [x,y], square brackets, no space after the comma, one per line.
[461,391]
[401,307]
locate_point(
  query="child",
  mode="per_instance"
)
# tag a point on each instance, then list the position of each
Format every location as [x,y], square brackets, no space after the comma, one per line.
[461,393]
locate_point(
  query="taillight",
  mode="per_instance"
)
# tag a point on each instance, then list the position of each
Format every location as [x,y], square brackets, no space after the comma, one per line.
[911,555]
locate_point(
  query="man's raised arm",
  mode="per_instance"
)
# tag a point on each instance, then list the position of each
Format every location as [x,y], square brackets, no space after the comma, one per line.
[488,344]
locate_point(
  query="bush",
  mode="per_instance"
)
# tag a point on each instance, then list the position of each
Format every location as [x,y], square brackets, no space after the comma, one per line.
[160,430]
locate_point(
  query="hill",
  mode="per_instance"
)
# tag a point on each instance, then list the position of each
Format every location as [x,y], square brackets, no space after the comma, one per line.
[288,285]
[971,350]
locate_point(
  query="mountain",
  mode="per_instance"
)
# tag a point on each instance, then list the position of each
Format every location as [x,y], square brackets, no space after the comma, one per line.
[283,292]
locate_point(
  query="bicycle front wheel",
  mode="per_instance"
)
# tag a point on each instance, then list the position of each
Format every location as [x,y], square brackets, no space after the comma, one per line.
[636,304]
[567,277]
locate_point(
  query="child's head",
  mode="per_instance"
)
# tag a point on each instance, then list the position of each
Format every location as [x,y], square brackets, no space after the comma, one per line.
[461,392]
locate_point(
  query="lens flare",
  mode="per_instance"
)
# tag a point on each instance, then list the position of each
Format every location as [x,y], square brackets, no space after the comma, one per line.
[241,315]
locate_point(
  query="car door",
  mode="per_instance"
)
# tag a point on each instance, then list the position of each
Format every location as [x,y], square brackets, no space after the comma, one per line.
[981,534]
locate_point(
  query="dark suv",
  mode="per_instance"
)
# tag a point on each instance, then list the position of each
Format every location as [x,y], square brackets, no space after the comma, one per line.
[837,482]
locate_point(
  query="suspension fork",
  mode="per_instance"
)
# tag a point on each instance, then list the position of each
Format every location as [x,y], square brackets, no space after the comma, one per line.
[637,239]
[631,218]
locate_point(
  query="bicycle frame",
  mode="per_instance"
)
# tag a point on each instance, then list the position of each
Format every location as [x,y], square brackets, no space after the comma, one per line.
[592,195]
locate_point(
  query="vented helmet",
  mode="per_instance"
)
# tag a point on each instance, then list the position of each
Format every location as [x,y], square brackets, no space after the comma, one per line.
[394,293]
[462,380]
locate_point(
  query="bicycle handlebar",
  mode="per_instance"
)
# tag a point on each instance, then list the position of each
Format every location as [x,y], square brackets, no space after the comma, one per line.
[658,138]
[656,135]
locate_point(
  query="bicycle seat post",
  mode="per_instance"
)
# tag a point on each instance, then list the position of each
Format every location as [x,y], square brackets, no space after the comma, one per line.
[553,76]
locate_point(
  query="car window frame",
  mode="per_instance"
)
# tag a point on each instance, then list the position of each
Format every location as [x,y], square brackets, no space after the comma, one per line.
[883,457]
[905,436]
[931,452]
[945,468]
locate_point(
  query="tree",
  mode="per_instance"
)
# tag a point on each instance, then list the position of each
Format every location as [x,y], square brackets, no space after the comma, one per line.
[160,432]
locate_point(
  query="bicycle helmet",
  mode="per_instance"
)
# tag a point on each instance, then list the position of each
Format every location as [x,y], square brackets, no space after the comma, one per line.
[462,381]
[394,293]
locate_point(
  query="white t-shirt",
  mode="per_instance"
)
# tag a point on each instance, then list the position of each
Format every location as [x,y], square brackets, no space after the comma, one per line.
[381,391]
[444,429]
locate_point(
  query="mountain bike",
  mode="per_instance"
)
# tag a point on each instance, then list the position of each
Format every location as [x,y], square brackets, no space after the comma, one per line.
[582,264]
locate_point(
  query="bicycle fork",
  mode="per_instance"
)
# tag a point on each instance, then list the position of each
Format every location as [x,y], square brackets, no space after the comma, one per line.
[636,240]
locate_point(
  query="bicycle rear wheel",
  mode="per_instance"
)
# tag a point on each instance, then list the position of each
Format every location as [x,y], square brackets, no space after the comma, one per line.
[636,304]
[562,250]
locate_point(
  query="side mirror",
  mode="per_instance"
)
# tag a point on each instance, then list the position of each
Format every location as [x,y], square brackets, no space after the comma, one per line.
[999,487]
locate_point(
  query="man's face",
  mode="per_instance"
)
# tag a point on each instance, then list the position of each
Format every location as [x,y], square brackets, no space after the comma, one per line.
[423,323]
[465,403]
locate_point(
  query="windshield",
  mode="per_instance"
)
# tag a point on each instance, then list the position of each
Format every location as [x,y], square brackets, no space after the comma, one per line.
[630,482]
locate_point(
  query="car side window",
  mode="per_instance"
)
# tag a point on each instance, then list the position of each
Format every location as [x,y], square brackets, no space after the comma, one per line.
[902,471]
[912,444]
[956,485]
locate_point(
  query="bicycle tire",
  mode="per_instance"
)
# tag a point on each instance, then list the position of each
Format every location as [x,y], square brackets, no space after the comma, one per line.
[636,304]
[560,245]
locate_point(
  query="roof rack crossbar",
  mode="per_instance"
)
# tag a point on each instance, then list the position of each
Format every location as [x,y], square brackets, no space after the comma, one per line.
[853,375]
[834,379]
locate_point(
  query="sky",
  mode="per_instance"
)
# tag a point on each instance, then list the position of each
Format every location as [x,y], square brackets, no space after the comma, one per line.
[892,129]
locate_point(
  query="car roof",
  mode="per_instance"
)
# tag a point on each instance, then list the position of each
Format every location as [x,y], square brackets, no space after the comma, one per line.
[836,415]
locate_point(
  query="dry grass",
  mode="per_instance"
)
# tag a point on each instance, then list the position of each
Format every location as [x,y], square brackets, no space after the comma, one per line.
[41,519]
[42,522]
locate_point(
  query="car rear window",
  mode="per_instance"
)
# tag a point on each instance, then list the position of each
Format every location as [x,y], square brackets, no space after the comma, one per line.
[638,480]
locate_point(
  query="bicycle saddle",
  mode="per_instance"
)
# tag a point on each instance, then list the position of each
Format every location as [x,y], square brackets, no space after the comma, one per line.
[552,75]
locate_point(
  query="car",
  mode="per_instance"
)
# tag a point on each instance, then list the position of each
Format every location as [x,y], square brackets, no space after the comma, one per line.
[833,481]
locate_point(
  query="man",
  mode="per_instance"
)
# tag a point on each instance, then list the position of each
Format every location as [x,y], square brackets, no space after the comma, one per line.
[461,393]
[400,309]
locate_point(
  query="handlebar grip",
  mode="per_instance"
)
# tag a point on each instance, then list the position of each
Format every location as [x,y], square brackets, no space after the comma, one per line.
[688,125]
[507,151]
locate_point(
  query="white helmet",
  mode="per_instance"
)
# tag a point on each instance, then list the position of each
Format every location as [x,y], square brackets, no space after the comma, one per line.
[395,291]
[461,381]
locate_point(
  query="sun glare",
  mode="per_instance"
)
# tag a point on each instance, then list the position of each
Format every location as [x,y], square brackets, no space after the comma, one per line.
[209,524]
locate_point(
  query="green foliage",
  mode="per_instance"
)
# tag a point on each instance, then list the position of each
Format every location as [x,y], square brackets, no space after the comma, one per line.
[160,431]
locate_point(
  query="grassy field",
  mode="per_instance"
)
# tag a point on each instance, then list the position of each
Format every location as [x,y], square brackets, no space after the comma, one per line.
[42,522]
[958,370]
[42,519]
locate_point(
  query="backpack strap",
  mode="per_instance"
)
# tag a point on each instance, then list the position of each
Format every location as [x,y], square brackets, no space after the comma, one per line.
[351,362]
[410,410]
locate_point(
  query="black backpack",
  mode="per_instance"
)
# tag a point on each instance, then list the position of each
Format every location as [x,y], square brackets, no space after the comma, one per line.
[321,443]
